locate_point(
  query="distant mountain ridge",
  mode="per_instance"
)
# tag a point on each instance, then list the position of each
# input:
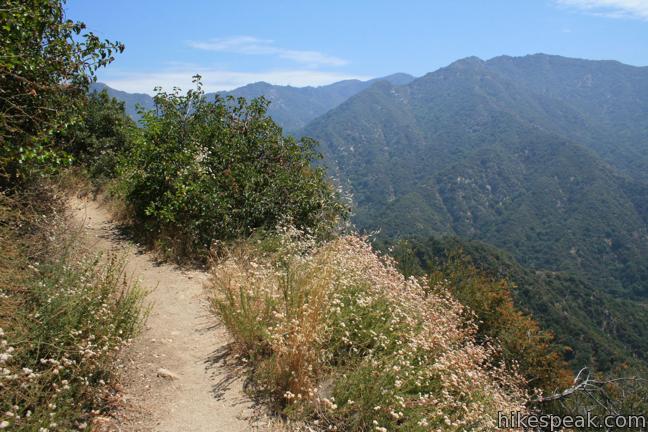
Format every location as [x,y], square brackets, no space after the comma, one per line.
[131,100]
[291,107]
[544,157]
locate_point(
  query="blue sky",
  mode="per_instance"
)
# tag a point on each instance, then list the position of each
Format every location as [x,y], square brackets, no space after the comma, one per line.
[232,43]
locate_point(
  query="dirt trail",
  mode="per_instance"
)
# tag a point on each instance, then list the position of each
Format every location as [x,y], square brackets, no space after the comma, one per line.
[181,336]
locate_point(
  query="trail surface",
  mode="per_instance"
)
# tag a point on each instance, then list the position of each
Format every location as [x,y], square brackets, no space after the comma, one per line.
[197,390]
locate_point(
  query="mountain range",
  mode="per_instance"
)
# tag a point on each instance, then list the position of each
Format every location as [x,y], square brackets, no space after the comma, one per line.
[291,107]
[542,159]
[555,174]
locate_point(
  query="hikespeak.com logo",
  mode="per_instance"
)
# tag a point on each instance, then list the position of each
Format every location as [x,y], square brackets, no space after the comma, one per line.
[551,422]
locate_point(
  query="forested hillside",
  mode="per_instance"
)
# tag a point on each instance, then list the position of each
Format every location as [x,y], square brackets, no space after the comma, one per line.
[605,103]
[131,100]
[469,151]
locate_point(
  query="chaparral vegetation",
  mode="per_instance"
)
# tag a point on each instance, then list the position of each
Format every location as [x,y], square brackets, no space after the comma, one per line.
[433,333]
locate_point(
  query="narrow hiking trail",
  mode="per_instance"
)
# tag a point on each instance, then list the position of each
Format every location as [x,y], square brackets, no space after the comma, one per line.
[200,392]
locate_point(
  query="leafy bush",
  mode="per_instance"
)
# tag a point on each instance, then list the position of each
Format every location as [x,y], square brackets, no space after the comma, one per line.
[102,136]
[204,171]
[46,63]
[337,335]
[64,314]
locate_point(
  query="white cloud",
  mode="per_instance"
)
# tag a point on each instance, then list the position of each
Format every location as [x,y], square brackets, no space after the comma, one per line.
[611,8]
[218,79]
[254,46]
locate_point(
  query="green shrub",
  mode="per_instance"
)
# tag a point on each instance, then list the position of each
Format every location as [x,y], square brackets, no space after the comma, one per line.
[46,63]
[102,136]
[204,171]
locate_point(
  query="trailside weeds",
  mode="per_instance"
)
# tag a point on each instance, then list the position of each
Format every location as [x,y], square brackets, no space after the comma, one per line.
[64,316]
[336,335]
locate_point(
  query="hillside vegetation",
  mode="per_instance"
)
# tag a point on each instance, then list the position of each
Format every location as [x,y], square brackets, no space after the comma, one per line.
[331,333]
[65,314]
[199,172]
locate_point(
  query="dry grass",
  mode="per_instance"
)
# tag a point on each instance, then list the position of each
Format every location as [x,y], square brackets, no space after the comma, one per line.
[335,335]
